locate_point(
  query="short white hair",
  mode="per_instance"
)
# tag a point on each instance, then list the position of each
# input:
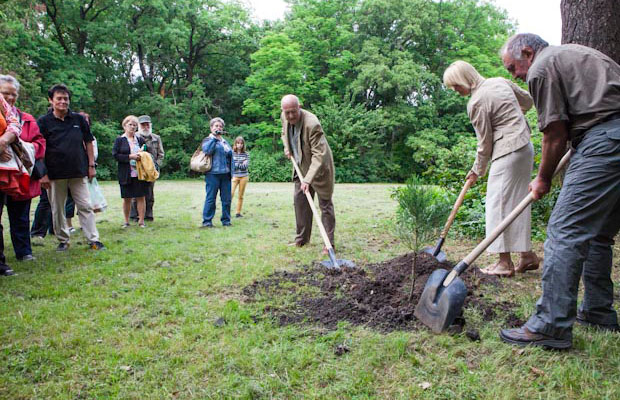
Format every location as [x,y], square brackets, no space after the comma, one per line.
[216,119]
[461,73]
[10,79]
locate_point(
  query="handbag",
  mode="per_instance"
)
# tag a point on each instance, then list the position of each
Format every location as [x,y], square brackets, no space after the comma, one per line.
[21,154]
[200,162]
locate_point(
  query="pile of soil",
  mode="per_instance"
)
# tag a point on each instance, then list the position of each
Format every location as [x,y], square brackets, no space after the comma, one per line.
[374,295]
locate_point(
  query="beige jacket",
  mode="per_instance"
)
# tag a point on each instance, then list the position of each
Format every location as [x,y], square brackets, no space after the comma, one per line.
[317,162]
[496,111]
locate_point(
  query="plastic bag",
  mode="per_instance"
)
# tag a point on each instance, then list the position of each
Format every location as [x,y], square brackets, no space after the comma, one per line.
[97,201]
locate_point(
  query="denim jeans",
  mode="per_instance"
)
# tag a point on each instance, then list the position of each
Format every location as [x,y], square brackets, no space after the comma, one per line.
[580,235]
[19,219]
[215,183]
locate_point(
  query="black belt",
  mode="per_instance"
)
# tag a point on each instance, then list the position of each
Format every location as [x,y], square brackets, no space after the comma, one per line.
[612,117]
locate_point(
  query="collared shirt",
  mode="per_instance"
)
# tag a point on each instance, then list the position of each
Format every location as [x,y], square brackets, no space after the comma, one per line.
[153,145]
[576,84]
[65,155]
[294,135]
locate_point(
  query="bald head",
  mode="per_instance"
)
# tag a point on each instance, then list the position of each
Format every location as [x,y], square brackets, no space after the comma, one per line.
[291,109]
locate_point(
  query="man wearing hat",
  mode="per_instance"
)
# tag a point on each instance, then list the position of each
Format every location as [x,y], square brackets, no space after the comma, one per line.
[155,147]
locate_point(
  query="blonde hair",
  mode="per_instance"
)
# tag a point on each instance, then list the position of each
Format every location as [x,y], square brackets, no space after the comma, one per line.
[242,150]
[463,74]
[129,118]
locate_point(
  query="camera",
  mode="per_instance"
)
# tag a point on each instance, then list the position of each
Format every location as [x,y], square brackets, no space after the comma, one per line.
[219,132]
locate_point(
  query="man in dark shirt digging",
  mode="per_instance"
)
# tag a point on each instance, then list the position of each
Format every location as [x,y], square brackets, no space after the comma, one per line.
[70,163]
[576,91]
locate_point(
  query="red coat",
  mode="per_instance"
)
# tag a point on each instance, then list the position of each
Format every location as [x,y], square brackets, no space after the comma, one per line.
[31,133]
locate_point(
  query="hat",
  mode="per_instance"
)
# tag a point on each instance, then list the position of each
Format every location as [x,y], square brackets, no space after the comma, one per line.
[144,118]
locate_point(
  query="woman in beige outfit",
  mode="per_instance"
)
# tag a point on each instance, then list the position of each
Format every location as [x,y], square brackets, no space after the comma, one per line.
[496,109]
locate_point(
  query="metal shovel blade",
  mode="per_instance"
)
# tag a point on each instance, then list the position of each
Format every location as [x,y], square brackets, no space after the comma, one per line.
[439,255]
[334,263]
[439,306]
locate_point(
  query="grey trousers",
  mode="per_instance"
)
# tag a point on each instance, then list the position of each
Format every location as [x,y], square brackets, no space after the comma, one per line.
[303,215]
[150,200]
[81,196]
[580,234]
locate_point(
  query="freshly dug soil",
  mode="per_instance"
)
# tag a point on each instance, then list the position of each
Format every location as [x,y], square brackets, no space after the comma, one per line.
[375,295]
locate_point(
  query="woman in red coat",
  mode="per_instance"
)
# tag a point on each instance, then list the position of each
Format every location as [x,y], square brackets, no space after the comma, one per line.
[18,207]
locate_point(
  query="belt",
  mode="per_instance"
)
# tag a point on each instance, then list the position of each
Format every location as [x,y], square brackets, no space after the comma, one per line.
[612,117]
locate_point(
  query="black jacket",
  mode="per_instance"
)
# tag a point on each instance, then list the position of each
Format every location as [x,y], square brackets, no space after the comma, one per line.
[121,152]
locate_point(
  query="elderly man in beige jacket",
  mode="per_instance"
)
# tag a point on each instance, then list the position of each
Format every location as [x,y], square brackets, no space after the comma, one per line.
[303,139]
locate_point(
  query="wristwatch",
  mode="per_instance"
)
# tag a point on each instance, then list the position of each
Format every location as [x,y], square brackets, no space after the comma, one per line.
[93,165]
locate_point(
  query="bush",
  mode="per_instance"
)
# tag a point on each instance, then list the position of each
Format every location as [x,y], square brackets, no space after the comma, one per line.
[269,167]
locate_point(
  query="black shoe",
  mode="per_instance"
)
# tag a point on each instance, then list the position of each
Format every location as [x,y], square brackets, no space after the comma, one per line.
[238,216]
[62,247]
[207,225]
[6,270]
[27,257]
[96,246]
[524,337]
[581,319]
[228,224]
[148,218]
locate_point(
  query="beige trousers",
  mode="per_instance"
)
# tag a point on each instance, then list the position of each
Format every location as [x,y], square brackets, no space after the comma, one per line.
[81,197]
[242,182]
[509,177]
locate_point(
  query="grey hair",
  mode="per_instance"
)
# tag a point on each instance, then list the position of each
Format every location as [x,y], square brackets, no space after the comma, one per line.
[10,79]
[216,119]
[516,43]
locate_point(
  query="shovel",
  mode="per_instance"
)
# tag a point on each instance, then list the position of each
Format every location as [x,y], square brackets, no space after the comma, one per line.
[333,262]
[436,251]
[444,294]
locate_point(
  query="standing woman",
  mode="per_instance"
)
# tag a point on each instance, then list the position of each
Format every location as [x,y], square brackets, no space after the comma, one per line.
[18,208]
[496,110]
[218,178]
[240,174]
[125,151]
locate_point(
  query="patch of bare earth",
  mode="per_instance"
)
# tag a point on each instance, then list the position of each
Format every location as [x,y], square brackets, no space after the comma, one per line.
[373,295]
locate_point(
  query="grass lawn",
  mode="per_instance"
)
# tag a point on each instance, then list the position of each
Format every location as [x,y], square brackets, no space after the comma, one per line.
[161,314]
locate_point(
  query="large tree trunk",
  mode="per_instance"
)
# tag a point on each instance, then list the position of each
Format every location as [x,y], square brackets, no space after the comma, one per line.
[592,23]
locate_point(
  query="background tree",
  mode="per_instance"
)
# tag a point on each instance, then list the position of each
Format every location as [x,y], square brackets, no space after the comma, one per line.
[594,23]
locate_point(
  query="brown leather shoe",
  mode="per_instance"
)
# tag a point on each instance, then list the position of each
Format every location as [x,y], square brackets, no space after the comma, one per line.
[528,264]
[524,337]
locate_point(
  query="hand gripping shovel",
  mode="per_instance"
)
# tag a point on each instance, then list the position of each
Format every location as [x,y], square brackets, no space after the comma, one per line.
[444,293]
[333,262]
[436,251]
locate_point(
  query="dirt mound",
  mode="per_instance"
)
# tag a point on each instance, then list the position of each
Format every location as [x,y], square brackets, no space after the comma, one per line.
[375,295]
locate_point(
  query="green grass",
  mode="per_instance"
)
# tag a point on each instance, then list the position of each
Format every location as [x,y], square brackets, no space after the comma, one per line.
[138,321]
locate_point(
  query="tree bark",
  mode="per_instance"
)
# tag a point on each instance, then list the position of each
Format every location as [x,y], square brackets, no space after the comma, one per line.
[592,23]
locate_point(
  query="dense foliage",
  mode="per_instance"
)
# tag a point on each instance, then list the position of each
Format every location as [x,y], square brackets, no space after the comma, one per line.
[370,69]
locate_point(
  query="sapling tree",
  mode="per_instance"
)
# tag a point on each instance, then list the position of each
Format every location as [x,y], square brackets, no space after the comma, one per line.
[422,210]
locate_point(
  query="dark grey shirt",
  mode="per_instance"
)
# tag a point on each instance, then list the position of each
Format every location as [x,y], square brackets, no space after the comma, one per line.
[294,134]
[576,84]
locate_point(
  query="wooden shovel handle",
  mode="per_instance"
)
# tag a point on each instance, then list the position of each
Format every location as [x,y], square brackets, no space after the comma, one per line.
[455,209]
[328,244]
[471,257]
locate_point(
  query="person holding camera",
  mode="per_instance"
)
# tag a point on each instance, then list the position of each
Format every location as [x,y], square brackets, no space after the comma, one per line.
[219,177]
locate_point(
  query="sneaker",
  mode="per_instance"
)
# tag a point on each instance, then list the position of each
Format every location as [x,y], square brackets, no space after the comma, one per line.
[524,337]
[238,216]
[27,257]
[62,247]
[207,225]
[228,224]
[37,240]
[6,270]
[72,230]
[142,225]
[96,246]
[125,225]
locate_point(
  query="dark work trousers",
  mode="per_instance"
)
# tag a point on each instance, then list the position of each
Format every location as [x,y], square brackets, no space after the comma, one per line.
[150,200]
[303,215]
[19,220]
[213,184]
[42,223]
[3,198]
[580,234]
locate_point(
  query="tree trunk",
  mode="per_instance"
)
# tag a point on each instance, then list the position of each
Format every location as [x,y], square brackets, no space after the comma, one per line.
[593,23]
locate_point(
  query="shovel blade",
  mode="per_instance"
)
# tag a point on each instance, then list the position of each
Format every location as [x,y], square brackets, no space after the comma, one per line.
[440,256]
[439,306]
[339,263]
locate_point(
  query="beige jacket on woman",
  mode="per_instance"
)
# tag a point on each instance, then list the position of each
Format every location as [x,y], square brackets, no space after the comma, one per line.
[496,109]
[317,162]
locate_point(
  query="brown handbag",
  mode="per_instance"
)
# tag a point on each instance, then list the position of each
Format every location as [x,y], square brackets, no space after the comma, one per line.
[200,162]
[20,153]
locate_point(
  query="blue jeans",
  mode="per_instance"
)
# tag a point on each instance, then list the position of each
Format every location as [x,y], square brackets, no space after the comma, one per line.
[580,235]
[215,183]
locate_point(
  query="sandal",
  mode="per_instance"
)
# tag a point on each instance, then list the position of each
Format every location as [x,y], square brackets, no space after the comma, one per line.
[489,268]
[528,265]
[502,270]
